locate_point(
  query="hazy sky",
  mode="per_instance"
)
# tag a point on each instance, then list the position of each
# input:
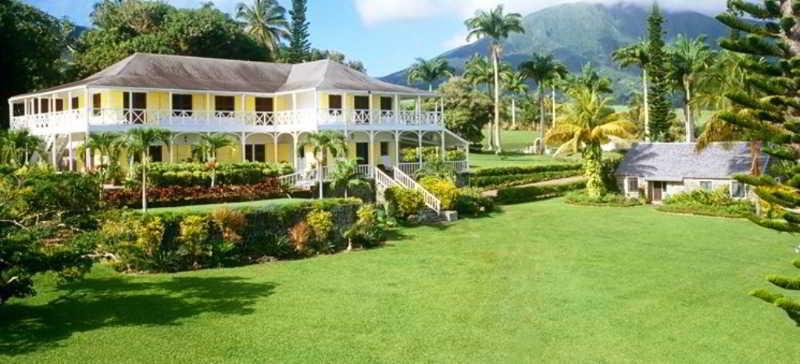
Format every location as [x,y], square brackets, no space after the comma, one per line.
[385,34]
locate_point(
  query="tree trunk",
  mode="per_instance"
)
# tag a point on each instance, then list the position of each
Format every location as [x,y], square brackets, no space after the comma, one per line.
[320,168]
[514,113]
[755,153]
[593,170]
[541,116]
[496,61]
[646,105]
[689,123]
[553,90]
[144,182]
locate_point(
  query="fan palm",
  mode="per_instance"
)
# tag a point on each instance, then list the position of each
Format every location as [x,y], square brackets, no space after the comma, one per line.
[542,70]
[209,145]
[429,71]
[346,176]
[265,20]
[587,123]
[139,141]
[323,143]
[636,55]
[690,57]
[514,84]
[496,25]
[108,147]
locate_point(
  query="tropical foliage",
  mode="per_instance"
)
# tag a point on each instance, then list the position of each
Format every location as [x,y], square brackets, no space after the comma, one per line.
[265,20]
[428,71]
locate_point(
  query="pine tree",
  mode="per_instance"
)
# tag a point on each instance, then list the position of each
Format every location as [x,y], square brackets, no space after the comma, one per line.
[299,45]
[769,35]
[660,107]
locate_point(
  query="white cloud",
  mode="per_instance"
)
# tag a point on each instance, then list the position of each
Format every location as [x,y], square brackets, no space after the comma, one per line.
[377,11]
[455,41]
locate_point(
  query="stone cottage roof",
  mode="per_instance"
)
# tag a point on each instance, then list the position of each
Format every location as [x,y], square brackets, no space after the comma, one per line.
[678,161]
[157,71]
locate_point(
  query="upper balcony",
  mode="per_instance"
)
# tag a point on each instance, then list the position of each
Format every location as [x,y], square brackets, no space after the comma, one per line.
[121,119]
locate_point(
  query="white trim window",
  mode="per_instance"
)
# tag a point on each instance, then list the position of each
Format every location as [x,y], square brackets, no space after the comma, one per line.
[632,185]
[738,189]
[705,185]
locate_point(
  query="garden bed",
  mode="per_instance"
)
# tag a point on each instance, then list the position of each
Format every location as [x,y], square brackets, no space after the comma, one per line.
[608,200]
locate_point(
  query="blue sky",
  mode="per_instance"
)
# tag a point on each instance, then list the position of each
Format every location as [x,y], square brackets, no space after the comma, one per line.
[385,34]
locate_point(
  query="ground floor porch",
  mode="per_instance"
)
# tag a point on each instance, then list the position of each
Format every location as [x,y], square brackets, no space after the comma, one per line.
[400,148]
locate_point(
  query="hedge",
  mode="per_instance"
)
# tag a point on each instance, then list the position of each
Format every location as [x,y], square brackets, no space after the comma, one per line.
[195,195]
[158,242]
[500,181]
[505,171]
[199,174]
[534,193]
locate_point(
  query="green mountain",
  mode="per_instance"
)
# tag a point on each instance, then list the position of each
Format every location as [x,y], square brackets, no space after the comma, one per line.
[580,33]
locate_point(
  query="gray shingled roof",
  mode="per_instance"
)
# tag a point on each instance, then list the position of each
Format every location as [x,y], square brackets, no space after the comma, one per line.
[142,70]
[676,161]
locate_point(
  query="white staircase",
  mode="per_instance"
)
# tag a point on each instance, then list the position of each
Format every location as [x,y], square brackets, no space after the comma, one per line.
[406,181]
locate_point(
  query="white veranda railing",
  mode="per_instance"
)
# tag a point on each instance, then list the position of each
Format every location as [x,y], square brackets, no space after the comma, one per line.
[408,182]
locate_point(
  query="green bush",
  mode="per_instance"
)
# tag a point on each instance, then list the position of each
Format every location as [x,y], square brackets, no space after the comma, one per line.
[200,174]
[505,171]
[403,202]
[609,199]
[409,155]
[470,202]
[368,231]
[534,193]
[510,180]
[171,242]
[445,190]
[710,203]
[456,155]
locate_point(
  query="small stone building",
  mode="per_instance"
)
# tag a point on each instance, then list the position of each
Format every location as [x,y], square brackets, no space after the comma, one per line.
[659,170]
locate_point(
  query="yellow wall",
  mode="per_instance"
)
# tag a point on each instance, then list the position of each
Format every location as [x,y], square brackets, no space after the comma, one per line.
[283,102]
[158,101]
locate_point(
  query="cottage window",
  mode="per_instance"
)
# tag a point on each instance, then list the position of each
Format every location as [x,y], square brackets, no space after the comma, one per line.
[738,189]
[224,103]
[705,185]
[74,102]
[19,109]
[255,152]
[96,104]
[386,103]
[155,152]
[264,104]
[384,149]
[59,105]
[633,184]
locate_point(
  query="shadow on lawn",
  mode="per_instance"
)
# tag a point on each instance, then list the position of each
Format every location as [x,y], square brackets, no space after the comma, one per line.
[96,303]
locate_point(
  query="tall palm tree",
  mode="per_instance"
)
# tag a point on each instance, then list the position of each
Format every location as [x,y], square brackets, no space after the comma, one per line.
[636,55]
[514,84]
[323,143]
[587,123]
[479,73]
[265,20]
[429,71]
[690,57]
[106,145]
[591,79]
[346,175]
[542,70]
[139,141]
[496,25]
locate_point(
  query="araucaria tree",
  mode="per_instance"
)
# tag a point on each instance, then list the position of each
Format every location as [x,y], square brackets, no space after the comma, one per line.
[657,67]
[636,55]
[299,45]
[498,26]
[429,71]
[769,34]
[265,20]
[585,125]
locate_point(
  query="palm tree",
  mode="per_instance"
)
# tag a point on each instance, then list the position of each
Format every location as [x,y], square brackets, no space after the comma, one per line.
[346,175]
[591,79]
[479,73]
[557,82]
[690,57]
[17,146]
[265,20]
[209,145]
[106,145]
[636,55]
[325,142]
[587,123]
[542,70]
[497,25]
[139,141]
[514,83]
[429,71]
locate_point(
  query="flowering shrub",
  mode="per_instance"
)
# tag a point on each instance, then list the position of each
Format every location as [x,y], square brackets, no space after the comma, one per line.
[403,202]
[194,195]
[444,189]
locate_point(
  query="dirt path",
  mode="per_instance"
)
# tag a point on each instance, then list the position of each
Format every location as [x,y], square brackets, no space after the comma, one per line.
[493,193]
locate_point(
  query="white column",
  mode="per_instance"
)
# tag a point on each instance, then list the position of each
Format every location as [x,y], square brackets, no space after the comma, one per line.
[294,152]
[444,149]
[419,148]
[396,148]
[208,106]
[53,150]
[371,160]
[396,108]
[294,101]
[369,112]
[172,142]
[419,109]
[243,138]
[86,106]
[169,106]
[70,150]
[275,138]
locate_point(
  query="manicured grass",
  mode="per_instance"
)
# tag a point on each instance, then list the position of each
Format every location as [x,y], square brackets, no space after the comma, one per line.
[541,282]
[232,205]
[514,140]
[490,160]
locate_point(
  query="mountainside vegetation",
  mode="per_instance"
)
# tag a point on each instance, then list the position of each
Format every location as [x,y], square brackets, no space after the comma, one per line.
[584,33]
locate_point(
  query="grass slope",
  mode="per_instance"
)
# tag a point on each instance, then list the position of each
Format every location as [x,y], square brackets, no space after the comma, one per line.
[566,284]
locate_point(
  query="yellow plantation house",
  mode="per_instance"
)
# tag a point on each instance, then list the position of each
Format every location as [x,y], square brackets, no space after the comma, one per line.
[269,109]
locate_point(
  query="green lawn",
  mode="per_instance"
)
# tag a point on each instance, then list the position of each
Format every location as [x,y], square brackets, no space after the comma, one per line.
[514,140]
[490,160]
[233,205]
[541,282]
